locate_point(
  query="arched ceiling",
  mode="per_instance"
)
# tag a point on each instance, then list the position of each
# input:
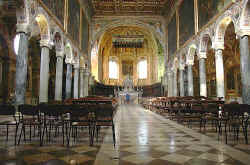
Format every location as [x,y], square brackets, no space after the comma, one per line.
[149,41]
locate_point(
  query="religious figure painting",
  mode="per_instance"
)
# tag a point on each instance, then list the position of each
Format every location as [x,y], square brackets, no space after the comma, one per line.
[186,17]
[209,8]
[57,8]
[74,19]
[172,37]
[127,68]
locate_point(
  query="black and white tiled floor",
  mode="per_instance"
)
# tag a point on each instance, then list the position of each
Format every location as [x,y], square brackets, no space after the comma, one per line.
[143,138]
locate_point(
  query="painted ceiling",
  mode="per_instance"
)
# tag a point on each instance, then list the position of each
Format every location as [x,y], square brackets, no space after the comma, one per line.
[131,7]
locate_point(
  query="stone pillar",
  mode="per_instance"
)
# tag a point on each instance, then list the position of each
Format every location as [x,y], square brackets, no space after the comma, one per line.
[81,83]
[76,80]
[175,90]
[165,84]
[44,73]
[219,73]
[190,81]
[181,81]
[245,69]
[203,80]
[170,84]
[85,83]
[59,76]
[68,80]
[21,69]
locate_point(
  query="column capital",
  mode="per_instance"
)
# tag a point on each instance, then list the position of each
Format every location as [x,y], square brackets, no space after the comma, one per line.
[190,62]
[218,52]
[45,43]
[60,54]
[218,45]
[182,67]
[202,55]
[76,66]
[243,31]
[81,69]
[169,73]
[84,71]
[68,61]
[22,28]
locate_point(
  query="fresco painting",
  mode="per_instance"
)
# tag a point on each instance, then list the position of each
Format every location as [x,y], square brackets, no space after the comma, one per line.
[74,20]
[127,68]
[57,8]
[186,17]
[172,37]
[209,8]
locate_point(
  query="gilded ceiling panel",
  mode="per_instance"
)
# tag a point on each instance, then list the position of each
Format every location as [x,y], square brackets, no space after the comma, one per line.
[127,7]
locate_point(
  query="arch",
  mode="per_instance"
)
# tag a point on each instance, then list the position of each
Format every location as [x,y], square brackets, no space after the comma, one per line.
[220,29]
[128,22]
[245,15]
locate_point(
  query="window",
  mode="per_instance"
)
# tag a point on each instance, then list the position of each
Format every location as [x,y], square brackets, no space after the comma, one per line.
[142,69]
[16,43]
[113,69]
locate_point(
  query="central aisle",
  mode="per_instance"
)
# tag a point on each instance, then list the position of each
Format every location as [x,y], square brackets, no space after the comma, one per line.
[147,138]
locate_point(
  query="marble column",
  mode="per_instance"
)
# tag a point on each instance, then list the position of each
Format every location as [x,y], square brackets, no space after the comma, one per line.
[81,83]
[219,73]
[169,84]
[172,84]
[203,80]
[44,74]
[165,84]
[181,81]
[190,80]
[21,69]
[68,80]
[175,90]
[86,83]
[245,69]
[76,80]
[59,76]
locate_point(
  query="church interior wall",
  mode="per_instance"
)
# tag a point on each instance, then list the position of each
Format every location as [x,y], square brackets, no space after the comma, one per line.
[44,18]
[210,13]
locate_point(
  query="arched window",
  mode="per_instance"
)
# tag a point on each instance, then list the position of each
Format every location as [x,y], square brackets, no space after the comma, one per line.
[16,43]
[113,69]
[142,69]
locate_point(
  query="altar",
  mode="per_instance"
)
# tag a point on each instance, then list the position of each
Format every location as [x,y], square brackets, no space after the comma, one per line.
[128,95]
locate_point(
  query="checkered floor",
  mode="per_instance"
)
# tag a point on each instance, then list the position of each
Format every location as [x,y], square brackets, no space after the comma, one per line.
[142,138]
